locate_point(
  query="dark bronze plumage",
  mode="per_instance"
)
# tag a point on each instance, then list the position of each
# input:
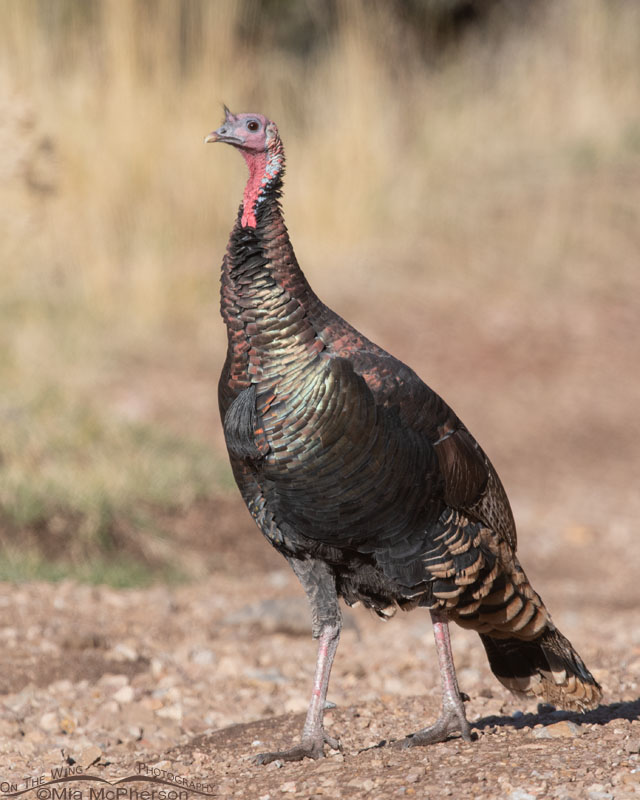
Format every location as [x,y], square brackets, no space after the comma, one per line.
[365,479]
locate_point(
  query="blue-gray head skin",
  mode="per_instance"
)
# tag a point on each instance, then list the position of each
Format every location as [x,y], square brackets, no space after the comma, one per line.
[257,138]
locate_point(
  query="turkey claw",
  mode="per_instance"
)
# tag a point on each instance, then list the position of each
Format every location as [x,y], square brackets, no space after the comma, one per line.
[446,727]
[334,744]
[313,748]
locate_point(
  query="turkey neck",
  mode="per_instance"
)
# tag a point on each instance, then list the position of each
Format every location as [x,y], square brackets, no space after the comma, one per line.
[265,298]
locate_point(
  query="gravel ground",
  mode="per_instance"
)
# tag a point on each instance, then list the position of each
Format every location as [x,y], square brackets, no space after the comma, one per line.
[193,680]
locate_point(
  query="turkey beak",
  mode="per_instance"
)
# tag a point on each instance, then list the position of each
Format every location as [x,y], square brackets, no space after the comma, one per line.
[223,134]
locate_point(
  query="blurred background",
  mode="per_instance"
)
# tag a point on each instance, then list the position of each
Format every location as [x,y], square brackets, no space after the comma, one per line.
[463,185]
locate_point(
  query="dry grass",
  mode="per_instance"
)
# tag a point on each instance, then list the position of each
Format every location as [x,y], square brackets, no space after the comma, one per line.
[514,160]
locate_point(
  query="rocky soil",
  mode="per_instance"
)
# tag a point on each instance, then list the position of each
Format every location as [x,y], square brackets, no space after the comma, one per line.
[192,681]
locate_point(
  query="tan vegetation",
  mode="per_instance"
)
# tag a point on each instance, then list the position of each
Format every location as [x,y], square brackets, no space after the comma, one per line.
[506,168]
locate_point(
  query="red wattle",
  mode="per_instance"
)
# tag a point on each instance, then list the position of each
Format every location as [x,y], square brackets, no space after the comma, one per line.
[257,163]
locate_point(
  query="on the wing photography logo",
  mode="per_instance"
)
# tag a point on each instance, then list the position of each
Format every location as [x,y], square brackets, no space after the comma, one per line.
[73,783]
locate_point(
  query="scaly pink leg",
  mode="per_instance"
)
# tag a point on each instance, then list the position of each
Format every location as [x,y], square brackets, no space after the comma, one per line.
[313,735]
[452,718]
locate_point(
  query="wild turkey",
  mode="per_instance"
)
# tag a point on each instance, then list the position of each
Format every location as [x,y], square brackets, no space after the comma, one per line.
[362,476]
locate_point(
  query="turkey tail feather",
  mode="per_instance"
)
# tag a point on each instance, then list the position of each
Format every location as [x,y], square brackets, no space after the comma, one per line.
[547,668]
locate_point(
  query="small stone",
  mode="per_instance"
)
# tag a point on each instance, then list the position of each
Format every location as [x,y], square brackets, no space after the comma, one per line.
[414,775]
[632,746]
[362,783]
[90,755]
[558,730]
[122,652]
[113,681]
[520,794]
[156,667]
[61,687]
[49,721]
[67,725]
[288,786]
[124,694]
[171,712]
[135,732]
[202,656]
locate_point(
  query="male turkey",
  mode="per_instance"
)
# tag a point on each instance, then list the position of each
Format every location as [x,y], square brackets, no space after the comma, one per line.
[362,476]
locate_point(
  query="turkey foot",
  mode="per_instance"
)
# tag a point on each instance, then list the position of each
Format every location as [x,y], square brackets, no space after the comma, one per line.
[308,748]
[452,718]
[450,722]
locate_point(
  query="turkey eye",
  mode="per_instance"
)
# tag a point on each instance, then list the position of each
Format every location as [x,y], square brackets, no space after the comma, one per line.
[253,125]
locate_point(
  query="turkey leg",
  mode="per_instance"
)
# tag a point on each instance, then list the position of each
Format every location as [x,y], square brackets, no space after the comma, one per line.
[319,585]
[452,717]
